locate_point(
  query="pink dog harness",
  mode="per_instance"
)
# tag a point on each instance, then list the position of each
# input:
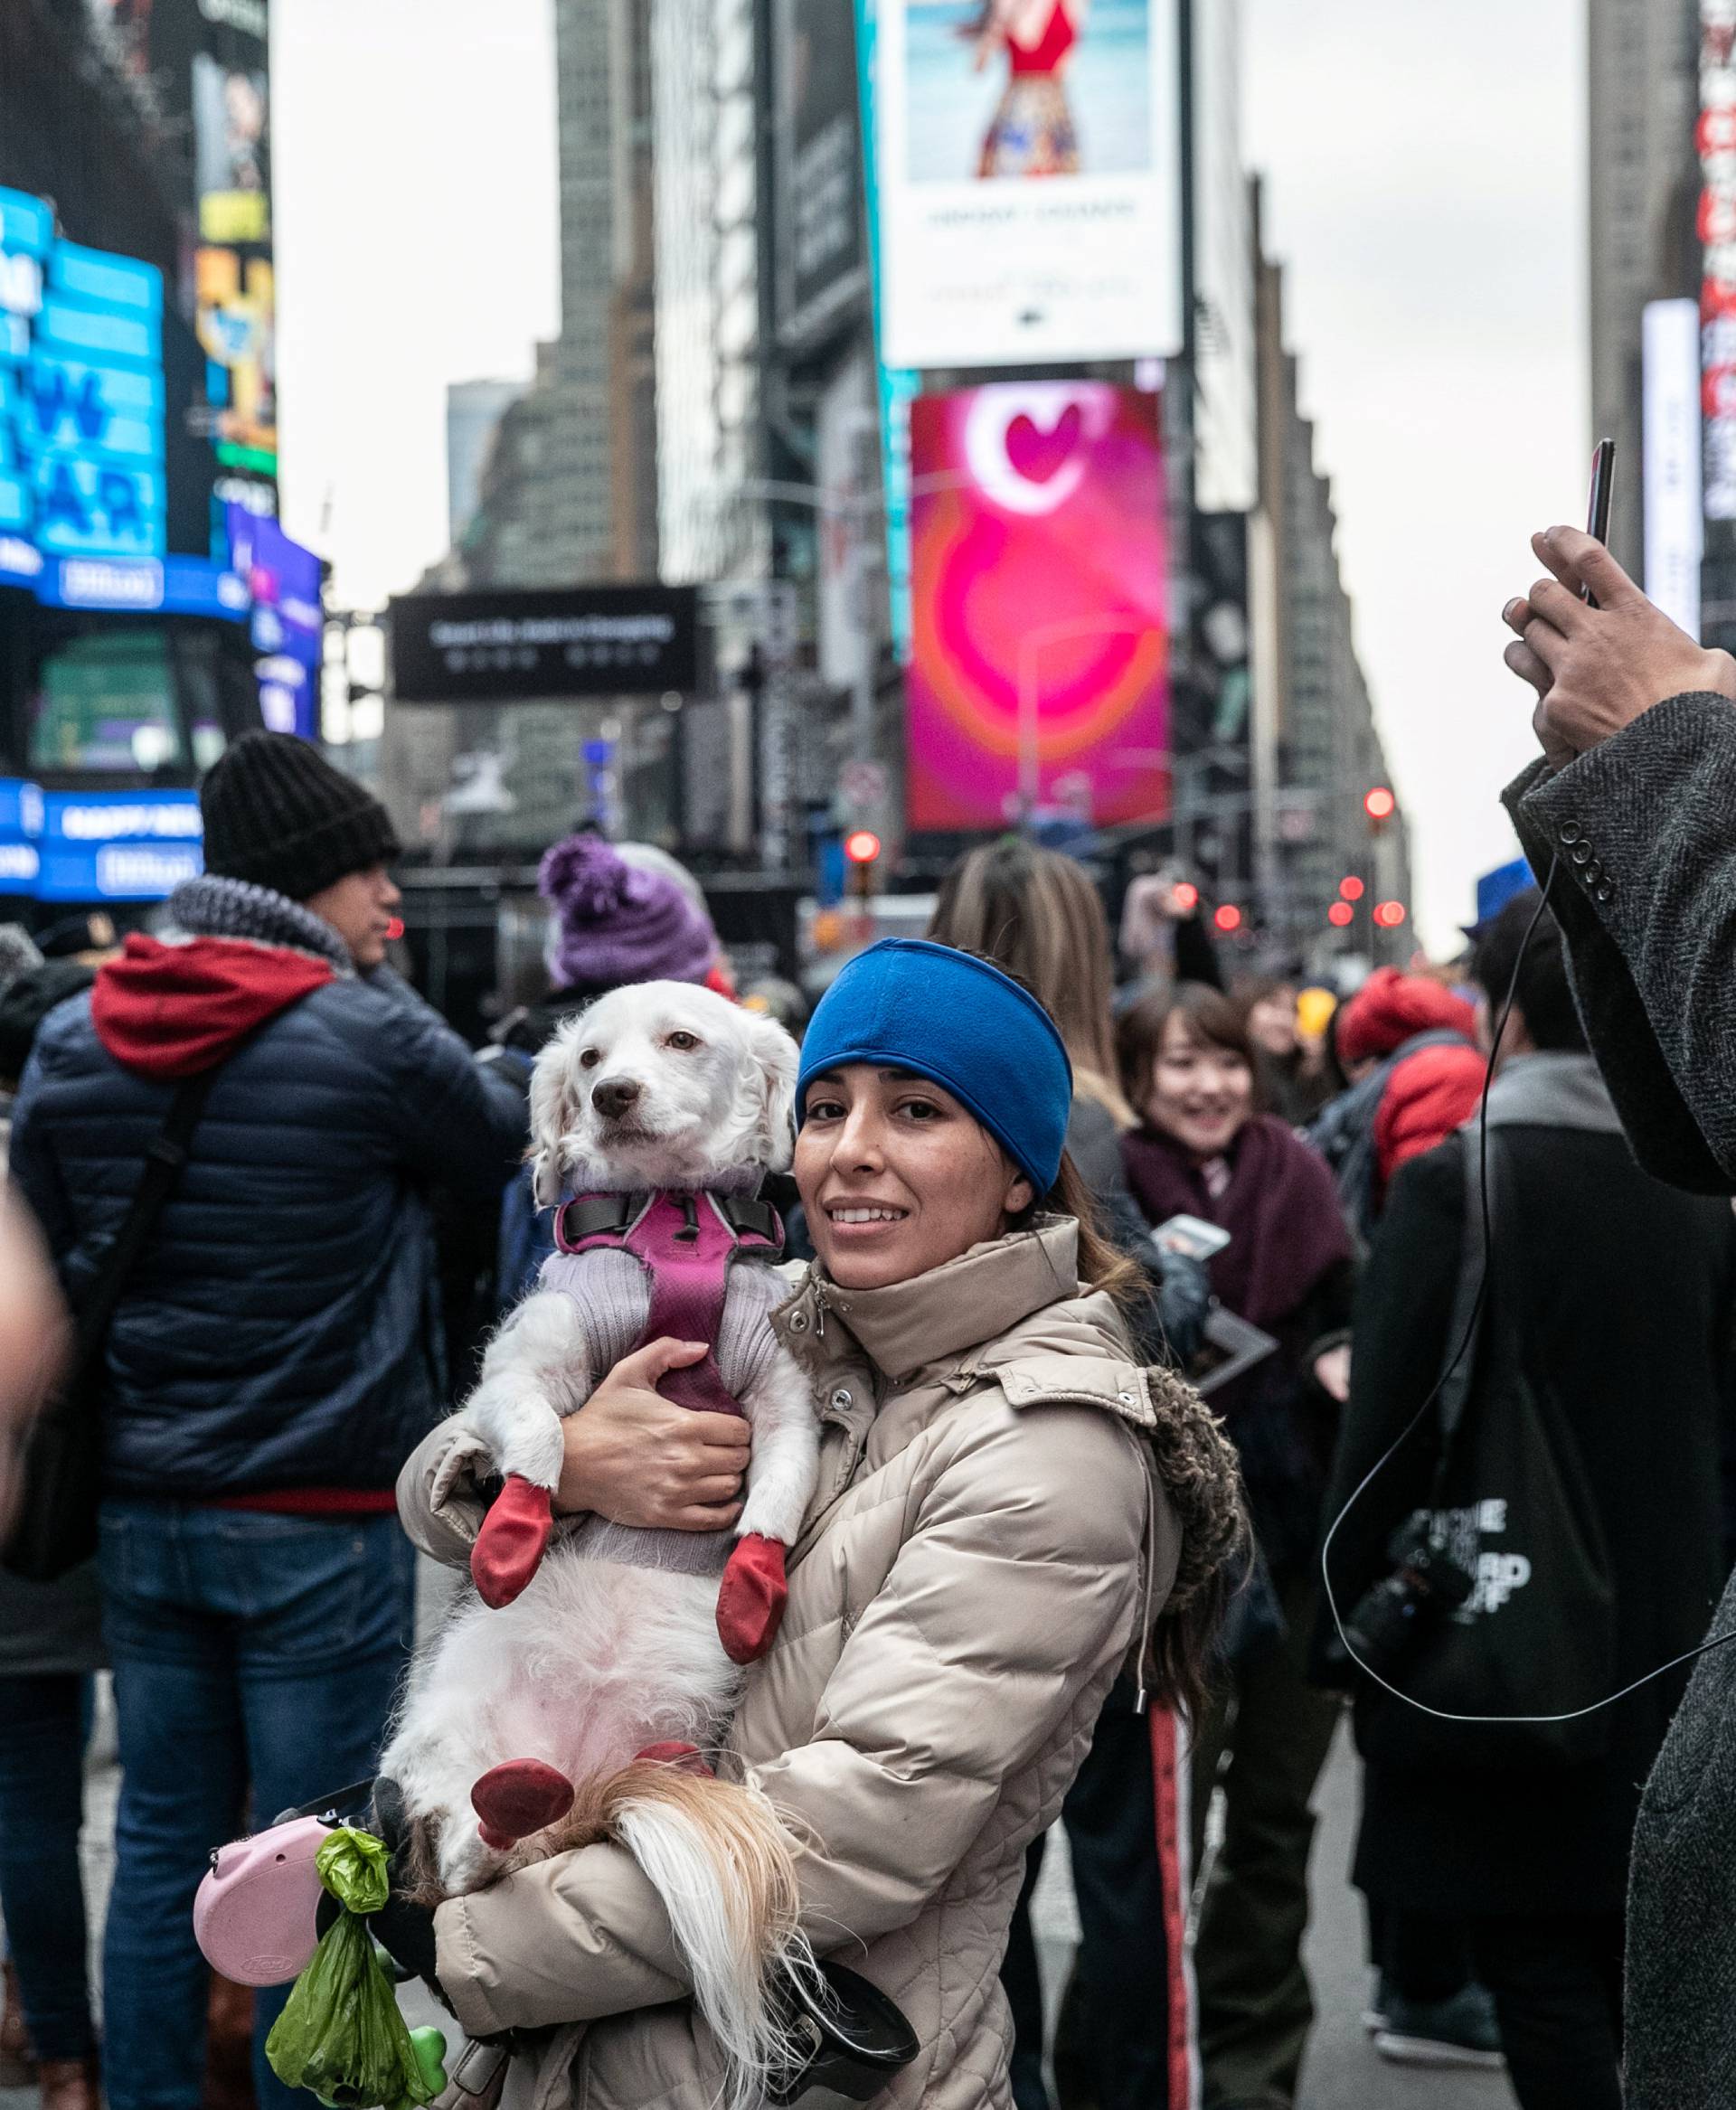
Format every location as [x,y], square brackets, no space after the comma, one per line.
[686,1244]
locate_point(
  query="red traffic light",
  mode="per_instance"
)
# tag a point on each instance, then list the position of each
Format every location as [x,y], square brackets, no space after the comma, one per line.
[1340,913]
[862,846]
[1184,897]
[1389,915]
[395,927]
[1351,888]
[1379,804]
[1228,918]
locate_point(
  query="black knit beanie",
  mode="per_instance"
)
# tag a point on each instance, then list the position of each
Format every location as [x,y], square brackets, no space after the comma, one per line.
[278,814]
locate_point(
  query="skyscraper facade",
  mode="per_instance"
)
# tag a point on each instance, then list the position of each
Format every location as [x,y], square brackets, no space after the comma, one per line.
[1641,77]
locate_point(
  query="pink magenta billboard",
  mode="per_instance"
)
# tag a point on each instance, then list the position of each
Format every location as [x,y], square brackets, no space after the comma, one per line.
[1039,672]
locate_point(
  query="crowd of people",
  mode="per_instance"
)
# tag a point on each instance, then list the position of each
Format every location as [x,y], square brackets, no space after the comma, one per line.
[1451,1258]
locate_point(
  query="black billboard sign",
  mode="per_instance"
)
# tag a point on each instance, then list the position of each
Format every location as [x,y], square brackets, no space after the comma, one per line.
[820,248]
[516,648]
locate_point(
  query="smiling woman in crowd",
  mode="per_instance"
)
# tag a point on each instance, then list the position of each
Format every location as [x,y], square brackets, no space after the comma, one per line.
[1006,1503]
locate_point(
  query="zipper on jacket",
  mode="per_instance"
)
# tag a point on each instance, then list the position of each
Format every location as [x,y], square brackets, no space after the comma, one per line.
[1151,1572]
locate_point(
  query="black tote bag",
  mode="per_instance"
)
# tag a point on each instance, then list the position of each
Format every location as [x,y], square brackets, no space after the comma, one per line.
[55,1527]
[1513,1506]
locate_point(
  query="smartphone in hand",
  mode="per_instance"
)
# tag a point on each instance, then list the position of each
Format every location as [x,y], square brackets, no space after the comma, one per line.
[1597,511]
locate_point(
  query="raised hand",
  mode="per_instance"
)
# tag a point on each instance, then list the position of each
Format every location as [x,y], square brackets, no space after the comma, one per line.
[1596,669]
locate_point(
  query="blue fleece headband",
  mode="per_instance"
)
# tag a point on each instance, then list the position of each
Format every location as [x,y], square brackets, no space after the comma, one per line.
[907,1004]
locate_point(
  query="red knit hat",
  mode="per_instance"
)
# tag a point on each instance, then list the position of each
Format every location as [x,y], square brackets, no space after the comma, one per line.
[1390,1008]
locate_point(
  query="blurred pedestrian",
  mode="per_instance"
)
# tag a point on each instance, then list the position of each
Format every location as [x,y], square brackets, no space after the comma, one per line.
[50,1642]
[1203,1149]
[1295,1078]
[275,1355]
[1409,1046]
[1415,1073]
[1162,937]
[617,915]
[1628,812]
[1036,913]
[1614,1296]
[30,987]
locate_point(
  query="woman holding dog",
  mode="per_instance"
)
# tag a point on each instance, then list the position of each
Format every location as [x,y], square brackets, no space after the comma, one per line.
[1008,1506]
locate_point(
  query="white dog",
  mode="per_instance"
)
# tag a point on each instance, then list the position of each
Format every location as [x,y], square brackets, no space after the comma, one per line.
[562,1699]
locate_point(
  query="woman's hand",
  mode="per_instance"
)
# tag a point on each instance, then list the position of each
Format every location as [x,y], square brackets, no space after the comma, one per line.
[1596,669]
[1332,1372]
[638,1458]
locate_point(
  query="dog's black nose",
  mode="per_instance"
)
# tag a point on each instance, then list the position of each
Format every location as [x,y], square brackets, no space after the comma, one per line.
[614,1096]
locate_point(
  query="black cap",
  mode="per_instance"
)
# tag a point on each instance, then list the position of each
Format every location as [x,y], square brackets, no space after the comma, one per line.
[278,815]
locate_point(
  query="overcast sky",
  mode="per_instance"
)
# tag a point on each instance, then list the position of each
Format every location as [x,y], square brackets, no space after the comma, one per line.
[1426,188]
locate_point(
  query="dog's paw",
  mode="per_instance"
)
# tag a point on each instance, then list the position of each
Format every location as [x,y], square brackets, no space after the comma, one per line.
[510,1545]
[751,1598]
[518,1797]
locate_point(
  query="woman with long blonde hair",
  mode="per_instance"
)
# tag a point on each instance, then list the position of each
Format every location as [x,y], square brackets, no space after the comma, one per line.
[1036,914]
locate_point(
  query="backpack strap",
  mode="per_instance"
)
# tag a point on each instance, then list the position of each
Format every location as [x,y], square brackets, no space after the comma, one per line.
[1470,1298]
[164,1161]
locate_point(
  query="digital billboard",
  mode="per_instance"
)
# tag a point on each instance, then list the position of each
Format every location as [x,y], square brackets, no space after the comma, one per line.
[506,647]
[284,586]
[1027,169]
[822,262]
[82,431]
[1675,528]
[85,496]
[197,72]
[97,845]
[1039,677]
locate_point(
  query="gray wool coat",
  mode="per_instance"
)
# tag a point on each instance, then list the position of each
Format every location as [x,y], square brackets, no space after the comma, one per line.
[1642,833]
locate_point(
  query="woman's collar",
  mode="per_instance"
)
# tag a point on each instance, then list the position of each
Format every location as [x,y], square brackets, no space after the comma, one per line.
[958,1305]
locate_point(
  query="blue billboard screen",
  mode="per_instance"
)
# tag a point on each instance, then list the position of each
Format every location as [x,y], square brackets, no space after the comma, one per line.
[82,394]
[97,845]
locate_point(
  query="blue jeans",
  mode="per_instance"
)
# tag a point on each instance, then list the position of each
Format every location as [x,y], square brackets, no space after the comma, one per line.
[256,1660]
[47,1719]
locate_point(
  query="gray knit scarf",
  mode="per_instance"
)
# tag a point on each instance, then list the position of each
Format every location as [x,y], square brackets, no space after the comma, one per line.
[209,906]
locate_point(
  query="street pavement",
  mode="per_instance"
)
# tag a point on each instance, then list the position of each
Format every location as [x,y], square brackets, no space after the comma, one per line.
[1343,2071]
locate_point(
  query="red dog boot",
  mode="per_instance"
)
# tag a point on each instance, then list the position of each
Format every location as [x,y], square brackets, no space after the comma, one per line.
[522,1796]
[750,1601]
[509,1547]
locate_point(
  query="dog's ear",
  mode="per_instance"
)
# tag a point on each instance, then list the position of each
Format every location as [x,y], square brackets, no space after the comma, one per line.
[555,1109]
[775,1062]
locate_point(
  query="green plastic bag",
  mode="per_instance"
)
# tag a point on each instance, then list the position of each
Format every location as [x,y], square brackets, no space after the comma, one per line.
[341,2034]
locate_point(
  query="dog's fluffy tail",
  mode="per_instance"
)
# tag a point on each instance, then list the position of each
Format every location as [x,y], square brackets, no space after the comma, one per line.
[725,1869]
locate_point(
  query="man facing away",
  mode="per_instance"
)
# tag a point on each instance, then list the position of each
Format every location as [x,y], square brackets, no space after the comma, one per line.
[277,1351]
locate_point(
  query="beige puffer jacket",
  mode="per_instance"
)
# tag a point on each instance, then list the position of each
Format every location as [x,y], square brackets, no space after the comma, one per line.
[986,1545]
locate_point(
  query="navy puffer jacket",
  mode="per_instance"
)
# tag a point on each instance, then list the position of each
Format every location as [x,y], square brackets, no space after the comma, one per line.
[282,1329]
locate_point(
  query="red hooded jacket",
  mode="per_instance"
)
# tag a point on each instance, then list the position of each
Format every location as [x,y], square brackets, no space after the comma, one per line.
[173,1010]
[1431,1092]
